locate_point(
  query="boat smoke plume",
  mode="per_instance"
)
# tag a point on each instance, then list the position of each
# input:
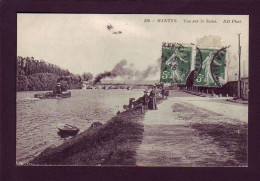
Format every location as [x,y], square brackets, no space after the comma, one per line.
[127,71]
[102,76]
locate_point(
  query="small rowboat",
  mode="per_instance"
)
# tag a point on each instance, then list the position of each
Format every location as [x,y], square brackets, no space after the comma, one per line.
[66,129]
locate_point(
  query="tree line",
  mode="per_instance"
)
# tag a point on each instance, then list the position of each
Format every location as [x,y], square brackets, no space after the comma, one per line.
[38,75]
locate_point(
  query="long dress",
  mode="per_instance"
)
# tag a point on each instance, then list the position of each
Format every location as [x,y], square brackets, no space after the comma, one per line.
[152,103]
[145,101]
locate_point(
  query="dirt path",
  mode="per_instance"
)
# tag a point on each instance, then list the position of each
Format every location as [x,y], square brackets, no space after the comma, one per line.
[188,131]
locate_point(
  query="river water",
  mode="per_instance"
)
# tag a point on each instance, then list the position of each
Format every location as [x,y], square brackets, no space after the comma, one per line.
[37,118]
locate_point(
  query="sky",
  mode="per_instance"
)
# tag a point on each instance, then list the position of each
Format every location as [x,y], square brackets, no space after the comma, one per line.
[82,42]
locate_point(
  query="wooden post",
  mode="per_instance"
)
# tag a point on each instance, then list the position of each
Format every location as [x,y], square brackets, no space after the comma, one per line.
[239,78]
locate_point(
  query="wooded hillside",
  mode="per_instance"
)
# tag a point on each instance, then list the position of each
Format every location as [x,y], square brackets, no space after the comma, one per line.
[36,75]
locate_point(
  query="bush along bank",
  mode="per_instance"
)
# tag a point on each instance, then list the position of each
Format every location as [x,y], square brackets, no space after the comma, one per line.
[113,143]
[38,75]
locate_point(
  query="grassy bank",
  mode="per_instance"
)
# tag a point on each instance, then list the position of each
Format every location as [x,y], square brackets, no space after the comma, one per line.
[113,143]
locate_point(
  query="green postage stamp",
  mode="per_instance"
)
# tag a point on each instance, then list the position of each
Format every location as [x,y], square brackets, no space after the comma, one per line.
[210,67]
[176,63]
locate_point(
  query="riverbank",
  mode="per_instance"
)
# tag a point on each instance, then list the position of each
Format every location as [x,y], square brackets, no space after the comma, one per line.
[113,143]
[186,130]
[37,118]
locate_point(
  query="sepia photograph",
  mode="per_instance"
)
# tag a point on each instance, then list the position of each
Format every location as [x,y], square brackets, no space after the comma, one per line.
[138,90]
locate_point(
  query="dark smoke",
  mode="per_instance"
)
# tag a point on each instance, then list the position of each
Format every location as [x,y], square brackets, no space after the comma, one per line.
[124,71]
[149,71]
[102,76]
[120,69]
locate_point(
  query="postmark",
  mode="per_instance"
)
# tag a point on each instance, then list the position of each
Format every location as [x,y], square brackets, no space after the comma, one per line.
[210,67]
[209,64]
[176,62]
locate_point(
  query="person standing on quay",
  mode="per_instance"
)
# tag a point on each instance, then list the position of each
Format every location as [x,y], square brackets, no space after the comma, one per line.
[163,92]
[145,100]
[153,103]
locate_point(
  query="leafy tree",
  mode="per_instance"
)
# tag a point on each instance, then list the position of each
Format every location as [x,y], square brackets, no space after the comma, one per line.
[39,75]
[87,76]
[22,83]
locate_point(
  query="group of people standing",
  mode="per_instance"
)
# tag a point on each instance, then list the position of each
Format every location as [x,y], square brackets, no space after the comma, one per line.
[150,101]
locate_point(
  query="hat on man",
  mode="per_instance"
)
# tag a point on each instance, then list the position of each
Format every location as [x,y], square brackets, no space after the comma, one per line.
[146,91]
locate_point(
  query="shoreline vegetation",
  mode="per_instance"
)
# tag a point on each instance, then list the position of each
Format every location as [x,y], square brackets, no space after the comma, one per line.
[38,75]
[112,143]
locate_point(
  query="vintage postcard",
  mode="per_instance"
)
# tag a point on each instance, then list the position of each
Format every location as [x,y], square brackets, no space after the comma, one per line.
[132,90]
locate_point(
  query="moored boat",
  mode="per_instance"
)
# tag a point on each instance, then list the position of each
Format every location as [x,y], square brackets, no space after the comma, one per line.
[67,129]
